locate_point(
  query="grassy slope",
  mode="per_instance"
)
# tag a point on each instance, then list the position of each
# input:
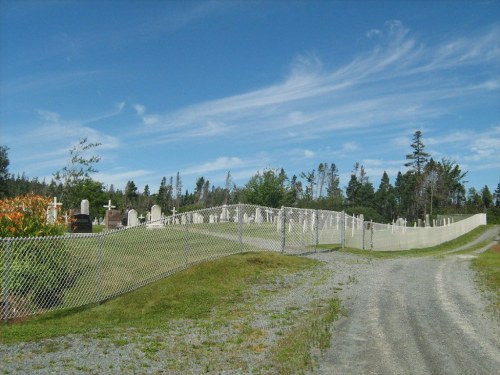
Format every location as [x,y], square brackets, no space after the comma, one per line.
[436,250]
[487,264]
[189,294]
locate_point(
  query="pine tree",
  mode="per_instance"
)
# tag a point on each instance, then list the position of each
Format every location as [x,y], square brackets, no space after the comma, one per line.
[418,158]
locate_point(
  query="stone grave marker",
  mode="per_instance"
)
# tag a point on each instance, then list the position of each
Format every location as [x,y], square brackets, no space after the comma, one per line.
[113,219]
[85,207]
[155,219]
[81,223]
[132,219]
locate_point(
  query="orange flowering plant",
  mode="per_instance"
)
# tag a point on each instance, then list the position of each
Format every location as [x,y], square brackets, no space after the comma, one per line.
[38,269]
[26,216]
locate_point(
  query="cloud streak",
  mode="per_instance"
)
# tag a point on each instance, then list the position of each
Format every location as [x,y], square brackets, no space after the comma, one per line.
[398,81]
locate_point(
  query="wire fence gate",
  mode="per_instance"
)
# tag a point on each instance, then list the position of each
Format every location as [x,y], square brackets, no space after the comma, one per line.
[40,274]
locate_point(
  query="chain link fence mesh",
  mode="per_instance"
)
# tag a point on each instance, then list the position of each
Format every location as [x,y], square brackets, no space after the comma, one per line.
[40,274]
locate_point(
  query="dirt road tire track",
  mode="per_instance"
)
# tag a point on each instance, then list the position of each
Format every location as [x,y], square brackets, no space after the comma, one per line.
[415,316]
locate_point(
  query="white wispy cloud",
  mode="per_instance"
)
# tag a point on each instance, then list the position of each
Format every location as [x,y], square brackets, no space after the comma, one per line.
[387,86]
[225,163]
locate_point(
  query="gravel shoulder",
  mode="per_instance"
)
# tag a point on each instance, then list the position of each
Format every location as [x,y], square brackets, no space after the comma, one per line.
[405,315]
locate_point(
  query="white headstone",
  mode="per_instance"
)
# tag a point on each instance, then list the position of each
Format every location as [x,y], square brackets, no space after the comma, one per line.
[132,219]
[155,213]
[224,216]
[245,218]
[258,215]
[85,207]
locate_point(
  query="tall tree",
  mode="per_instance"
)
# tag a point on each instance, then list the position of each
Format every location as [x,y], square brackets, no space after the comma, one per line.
[333,190]
[267,189]
[497,196]
[227,188]
[311,182]
[385,198]
[418,158]
[487,197]
[178,190]
[79,168]
[4,171]
[131,195]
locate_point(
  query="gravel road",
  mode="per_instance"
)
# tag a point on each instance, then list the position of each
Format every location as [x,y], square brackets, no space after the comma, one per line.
[403,316]
[415,316]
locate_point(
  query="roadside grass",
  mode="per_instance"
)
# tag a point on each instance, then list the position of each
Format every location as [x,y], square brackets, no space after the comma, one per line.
[189,294]
[295,351]
[487,265]
[429,251]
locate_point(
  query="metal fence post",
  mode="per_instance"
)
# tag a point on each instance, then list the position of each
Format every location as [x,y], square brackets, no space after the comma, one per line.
[282,229]
[240,226]
[186,242]
[316,229]
[342,230]
[363,237]
[371,234]
[7,280]
[99,268]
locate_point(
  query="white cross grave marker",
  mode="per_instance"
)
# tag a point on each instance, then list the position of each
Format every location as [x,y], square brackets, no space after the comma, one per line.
[109,206]
[52,211]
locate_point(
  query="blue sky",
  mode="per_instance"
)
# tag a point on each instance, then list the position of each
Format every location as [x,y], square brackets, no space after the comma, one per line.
[208,87]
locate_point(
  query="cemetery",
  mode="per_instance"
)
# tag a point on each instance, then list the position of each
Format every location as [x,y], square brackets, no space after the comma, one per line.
[126,256]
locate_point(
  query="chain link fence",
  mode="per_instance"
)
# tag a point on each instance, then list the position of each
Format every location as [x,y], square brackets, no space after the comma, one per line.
[40,274]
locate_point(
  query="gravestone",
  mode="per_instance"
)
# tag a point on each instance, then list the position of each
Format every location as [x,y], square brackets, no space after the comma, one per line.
[155,218]
[85,207]
[258,216]
[113,219]
[81,223]
[155,213]
[132,219]
[224,216]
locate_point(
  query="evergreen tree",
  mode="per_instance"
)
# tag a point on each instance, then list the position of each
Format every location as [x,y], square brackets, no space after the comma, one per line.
[4,171]
[486,197]
[497,196]
[131,195]
[418,158]
[385,198]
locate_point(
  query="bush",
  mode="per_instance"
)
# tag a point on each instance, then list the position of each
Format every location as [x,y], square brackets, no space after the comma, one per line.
[26,216]
[493,215]
[38,268]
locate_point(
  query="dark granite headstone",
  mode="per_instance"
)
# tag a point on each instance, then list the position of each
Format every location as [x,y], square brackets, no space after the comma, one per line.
[81,223]
[113,219]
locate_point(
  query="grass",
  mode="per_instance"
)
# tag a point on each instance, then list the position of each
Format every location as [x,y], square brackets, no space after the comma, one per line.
[487,265]
[294,353]
[189,294]
[429,251]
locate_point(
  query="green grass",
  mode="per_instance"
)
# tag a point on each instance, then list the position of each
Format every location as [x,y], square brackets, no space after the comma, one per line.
[429,251]
[294,352]
[189,294]
[487,265]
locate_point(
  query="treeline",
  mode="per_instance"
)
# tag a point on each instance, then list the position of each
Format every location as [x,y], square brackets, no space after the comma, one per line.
[426,187]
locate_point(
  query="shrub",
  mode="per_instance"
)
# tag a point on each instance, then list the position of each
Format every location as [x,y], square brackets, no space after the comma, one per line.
[25,216]
[38,268]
